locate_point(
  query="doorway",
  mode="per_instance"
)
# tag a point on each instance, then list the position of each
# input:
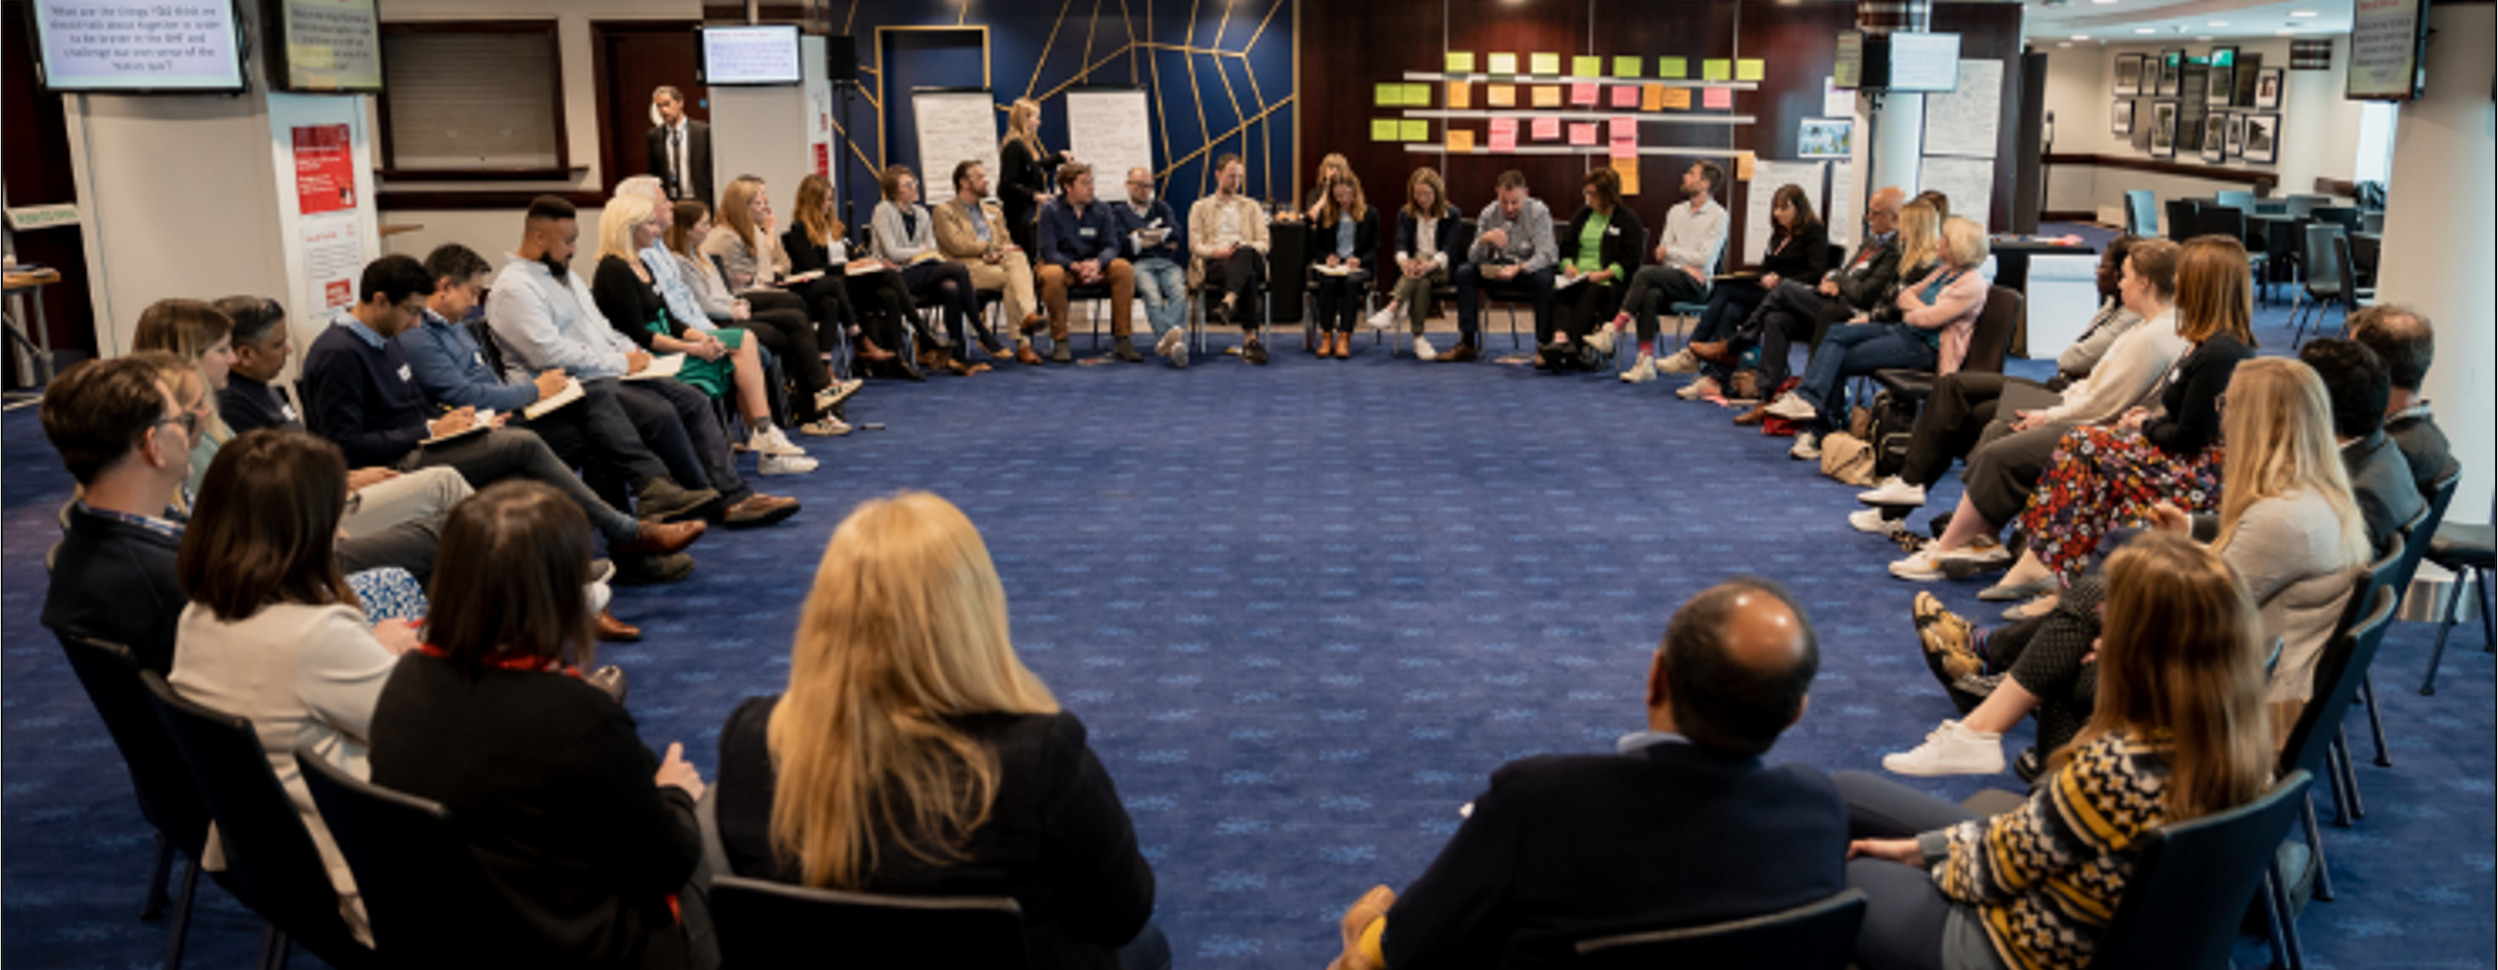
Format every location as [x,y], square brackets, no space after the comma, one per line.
[632,58]
[941,57]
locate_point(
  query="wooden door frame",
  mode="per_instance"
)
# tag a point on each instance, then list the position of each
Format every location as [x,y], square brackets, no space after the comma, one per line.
[600,30]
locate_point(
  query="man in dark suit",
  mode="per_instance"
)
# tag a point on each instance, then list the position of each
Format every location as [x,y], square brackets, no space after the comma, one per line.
[2357,387]
[1683,827]
[2403,339]
[680,148]
[124,439]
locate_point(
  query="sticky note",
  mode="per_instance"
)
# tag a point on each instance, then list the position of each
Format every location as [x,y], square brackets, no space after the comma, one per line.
[1416,129]
[1678,99]
[1501,95]
[1461,62]
[1620,147]
[1626,66]
[1717,69]
[1547,96]
[1626,95]
[1717,99]
[1743,167]
[1508,125]
[1388,95]
[1460,95]
[1587,67]
[1460,141]
[1583,94]
[1749,69]
[1504,141]
[1502,64]
[1624,127]
[1544,64]
[1652,97]
[1383,129]
[1582,134]
[1418,95]
[1673,67]
[1628,169]
[1547,129]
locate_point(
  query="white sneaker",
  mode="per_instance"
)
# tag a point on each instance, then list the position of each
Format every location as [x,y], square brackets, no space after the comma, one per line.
[827,426]
[1601,341]
[1792,407]
[1981,553]
[1642,372]
[1871,521]
[1423,349]
[1923,566]
[1952,749]
[1701,389]
[772,442]
[787,464]
[1893,491]
[1386,317]
[1169,339]
[828,398]
[1682,362]
[1806,447]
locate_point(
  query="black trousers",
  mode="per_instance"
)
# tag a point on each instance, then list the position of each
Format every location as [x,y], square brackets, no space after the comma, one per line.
[1586,306]
[495,455]
[1957,413]
[949,284]
[1655,288]
[678,423]
[1339,300]
[793,338]
[1728,306]
[881,305]
[1241,276]
[2044,654]
[1787,314]
[595,435]
[1472,285]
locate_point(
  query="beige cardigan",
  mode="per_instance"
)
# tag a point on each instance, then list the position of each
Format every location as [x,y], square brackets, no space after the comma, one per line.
[955,237]
[1204,242]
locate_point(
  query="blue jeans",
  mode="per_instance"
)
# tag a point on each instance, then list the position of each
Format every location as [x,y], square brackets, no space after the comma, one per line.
[1853,350]
[1164,289]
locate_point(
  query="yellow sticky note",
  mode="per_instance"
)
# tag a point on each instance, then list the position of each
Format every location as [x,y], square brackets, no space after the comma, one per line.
[1673,68]
[1383,129]
[1503,64]
[1717,69]
[1460,141]
[1461,62]
[1743,167]
[1587,67]
[1418,95]
[1460,95]
[1416,130]
[1678,99]
[1749,69]
[1652,97]
[1626,66]
[1546,64]
[1388,95]
[1501,95]
[1547,96]
[1628,169]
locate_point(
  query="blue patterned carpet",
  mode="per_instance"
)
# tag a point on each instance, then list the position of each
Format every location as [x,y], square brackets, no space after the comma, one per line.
[1305,609]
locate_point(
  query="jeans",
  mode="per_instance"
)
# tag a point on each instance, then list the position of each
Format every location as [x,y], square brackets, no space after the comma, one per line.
[1472,283]
[1852,350]
[1164,288]
[1728,306]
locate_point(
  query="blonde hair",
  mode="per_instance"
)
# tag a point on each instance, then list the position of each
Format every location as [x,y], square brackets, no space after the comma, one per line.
[736,211]
[2278,427]
[1921,235]
[815,195]
[2215,290]
[1964,243]
[616,222]
[2181,665]
[905,629]
[1023,124]
[187,328]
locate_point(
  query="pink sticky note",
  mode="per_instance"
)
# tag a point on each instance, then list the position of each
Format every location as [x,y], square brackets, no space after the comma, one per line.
[1583,93]
[1623,146]
[1716,99]
[1505,141]
[1547,129]
[1625,127]
[1626,95]
[1582,134]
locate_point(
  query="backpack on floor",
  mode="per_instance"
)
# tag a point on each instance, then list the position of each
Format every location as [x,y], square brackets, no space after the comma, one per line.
[1889,424]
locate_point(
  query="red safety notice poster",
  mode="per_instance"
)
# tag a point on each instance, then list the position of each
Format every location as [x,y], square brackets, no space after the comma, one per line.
[325,169]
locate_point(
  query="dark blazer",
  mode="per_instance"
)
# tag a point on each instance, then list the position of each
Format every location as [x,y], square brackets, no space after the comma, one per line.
[2424,448]
[1069,237]
[1622,240]
[1443,234]
[2381,482]
[1022,176]
[114,581]
[1872,272]
[697,177]
[1365,241]
[1057,840]
[545,777]
[1563,848]
[1804,256]
[2191,404]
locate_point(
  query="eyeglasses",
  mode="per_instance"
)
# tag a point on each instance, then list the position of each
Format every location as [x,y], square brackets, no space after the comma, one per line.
[189,420]
[355,502]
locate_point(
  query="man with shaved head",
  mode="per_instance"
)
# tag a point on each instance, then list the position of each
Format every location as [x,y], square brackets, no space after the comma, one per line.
[1682,826]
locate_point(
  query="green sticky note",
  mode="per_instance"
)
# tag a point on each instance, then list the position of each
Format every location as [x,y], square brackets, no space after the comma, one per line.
[1673,67]
[1502,64]
[1388,95]
[1547,64]
[1461,62]
[1416,130]
[1626,66]
[1717,69]
[1748,69]
[1587,67]
[1418,95]
[1383,129]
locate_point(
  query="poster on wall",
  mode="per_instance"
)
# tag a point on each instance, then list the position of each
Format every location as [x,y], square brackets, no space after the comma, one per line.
[2237,136]
[2129,75]
[2220,86]
[2172,73]
[2215,137]
[2268,89]
[2121,118]
[820,127]
[2164,129]
[1827,138]
[325,169]
[2263,138]
[333,256]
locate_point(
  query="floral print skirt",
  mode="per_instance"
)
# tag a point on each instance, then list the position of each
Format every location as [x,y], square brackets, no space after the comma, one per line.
[2103,479]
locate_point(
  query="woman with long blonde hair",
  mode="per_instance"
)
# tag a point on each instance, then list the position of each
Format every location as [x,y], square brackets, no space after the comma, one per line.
[1937,312]
[914,753]
[202,336]
[1024,167]
[2179,731]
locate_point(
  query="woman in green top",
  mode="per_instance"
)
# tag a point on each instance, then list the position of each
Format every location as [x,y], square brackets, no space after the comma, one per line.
[1598,255]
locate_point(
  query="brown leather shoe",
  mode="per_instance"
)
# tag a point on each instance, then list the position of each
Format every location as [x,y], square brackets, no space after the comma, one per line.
[1344,345]
[1461,354]
[1033,324]
[760,510]
[613,630]
[1714,352]
[1025,356]
[931,358]
[659,539]
[1753,416]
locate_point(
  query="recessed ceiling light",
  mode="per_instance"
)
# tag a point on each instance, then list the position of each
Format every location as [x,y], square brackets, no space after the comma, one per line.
[2064,43]
[2285,33]
[2302,13]
[2204,37]
[2145,30]
[2081,36]
[2216,23]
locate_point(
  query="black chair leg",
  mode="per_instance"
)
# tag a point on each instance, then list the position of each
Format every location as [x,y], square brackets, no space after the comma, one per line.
[2489,633]
[180,929]
[154,905]
[2333,779]
[2445,625]
[2376,724]
[2350,775]
[2286,951]
[2316,850]
[273,947]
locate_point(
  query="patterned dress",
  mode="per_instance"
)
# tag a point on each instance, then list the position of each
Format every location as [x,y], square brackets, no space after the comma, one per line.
[2104,479]
[2048,876]
[388,593]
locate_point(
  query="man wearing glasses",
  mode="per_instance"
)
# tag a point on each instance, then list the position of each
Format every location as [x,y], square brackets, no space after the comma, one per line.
[128,443]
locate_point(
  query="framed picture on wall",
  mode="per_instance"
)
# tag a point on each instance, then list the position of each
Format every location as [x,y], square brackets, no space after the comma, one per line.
[2164,129]
[2237,136]
[2223,57]
[1827,138]
[2220,85]
[2172,71]
[2268,89]
[2129,75]
[2215,137]
[2121,118]
[2263,138]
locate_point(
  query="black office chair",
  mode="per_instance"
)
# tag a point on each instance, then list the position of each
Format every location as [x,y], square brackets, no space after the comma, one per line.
[168,798]
[1989,341]
[417,875]
[763,924]
[2345,216]
[1816,935]
[2225,220]
[2346,273]
[2465,551]
[270,862]
[2385,573]
[2192,881]
[2416,534]
[2320,281]
[2184,219]
[2345,658]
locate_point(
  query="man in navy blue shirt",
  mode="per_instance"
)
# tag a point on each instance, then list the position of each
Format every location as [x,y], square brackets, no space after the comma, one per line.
[363,396]
[129,446]
[1155,243]
[1080,247]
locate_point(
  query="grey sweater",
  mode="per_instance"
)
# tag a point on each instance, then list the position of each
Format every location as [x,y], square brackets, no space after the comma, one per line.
[2289,550]
[1530,241]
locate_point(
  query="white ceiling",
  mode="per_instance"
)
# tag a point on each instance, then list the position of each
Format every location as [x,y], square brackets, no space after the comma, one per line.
[2126,21]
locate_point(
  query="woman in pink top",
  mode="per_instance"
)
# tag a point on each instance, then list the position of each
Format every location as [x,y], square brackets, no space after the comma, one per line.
[1937,314]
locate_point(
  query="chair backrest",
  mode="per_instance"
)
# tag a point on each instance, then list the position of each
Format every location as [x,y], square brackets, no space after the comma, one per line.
[415,872]
[2303,206]
[271,864]
[2421,529]
[2183,222]
[1838,256]
[487,346]
[1992,337]
[2372,220]
[763,923]
[2241,201]
[2345,271]
[2225,220]
[1465,244]
[2317,257]
[1816,935]
[168,798]
[2192,881]
[2142,212]
[2345,659]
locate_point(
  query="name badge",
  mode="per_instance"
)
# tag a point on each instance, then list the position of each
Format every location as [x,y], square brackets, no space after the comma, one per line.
[289,411]
[1613,230]
[480,358]
[404,376]
[1086,232]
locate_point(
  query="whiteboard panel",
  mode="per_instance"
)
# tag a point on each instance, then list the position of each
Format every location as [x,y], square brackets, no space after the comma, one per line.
[1969,183]
[1111,131]
[953,126]
[1964,122]
[1767,176]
